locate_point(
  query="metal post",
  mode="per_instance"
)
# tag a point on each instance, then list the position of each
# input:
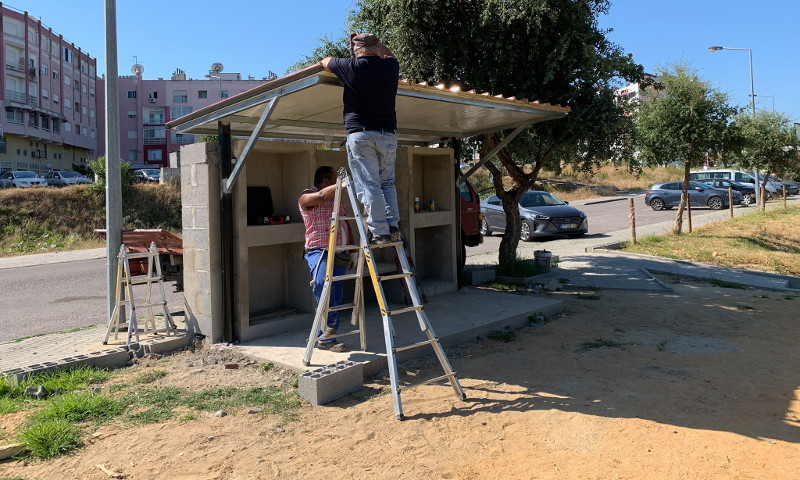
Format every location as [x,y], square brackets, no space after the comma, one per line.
[113,180]
[229,330]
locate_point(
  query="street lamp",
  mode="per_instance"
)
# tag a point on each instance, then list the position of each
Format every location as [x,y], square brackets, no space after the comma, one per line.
[716,48]
[210,75]
[773,101]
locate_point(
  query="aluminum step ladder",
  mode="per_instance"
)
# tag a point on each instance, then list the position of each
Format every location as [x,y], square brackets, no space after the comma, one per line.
[405,274]
[124,295]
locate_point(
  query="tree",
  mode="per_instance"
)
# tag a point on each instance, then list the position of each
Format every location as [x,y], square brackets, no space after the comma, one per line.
[547,50]
[327,48]
[768,144]
[683,120]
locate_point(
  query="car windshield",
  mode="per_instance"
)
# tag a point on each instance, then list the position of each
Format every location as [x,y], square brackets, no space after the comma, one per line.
[24,174]
[151,171]
[539,199]
[69,174]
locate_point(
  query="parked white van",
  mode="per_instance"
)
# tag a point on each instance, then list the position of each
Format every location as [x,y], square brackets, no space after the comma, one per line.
[735,175]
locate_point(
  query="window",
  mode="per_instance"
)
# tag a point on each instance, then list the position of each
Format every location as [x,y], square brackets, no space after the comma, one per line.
[91,113]
[45,123]
[68,103]
[202,94]
[67,127]
[33,120]
[91,91]
[78,129]
[131,93]
[56,128]
[131,113]
[132,155]
[84,88]
[55,74]
[43,70]
[92,133]
[223,94]
[180,96]
[67,55]
[67,80]
[154,155]
[182,138]
[55,98]
[12,27]
[77,106]
[152,94]
[133,134]
[45,94]
[155,117]
[84,110]
[3,144]
[176,112]
[14,115]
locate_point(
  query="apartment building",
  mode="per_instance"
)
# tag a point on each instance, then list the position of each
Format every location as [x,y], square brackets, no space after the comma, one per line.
[50,101]
[146,105]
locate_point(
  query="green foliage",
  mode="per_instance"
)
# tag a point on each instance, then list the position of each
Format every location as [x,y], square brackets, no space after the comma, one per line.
[552,51]
[328,48]
[505,335]
[51,438]
[148,377]
[725,284]
[766,138]
[208,138]
[98,168]
[9,405]
[63,380]
[79,407]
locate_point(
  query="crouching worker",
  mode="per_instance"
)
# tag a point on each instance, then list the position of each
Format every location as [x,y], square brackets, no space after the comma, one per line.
[316,207]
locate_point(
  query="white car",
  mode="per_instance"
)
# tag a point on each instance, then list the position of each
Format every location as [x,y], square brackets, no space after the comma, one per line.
[21,179]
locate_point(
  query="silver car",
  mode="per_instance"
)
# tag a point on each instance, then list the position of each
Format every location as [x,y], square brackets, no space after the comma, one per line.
[65,178]
[21,179]
[666,195]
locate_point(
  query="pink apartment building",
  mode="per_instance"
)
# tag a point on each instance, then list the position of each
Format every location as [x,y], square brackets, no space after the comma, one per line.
[146,105]
[49,97]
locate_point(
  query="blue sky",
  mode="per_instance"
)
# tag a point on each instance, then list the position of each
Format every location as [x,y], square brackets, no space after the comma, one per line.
[253,37]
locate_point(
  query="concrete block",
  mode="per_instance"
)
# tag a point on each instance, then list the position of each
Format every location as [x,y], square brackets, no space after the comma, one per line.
[330,382]
[479,277]
[200,217]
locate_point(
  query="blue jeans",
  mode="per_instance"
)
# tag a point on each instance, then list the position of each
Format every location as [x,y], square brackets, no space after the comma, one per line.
[371,156]
[317,262]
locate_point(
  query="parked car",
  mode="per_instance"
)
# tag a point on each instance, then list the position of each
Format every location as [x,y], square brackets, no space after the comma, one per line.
[65,178]
[666,195]
[737,175]
[145,175]
[748,193]
[543,215]
[792,187]
[21,179]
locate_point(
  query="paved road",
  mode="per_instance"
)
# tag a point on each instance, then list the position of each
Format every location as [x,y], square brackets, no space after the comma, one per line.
[57,297]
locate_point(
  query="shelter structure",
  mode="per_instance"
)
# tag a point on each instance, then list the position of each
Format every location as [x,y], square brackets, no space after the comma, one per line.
[243,237]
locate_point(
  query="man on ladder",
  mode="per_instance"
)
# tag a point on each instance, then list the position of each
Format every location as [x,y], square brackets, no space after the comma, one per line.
[316,207]
[370,86]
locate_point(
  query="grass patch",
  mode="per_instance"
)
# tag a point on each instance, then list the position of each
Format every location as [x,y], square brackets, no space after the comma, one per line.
[148,377]
[505,335]
[744,307]
[725,284]
[522,268]
[599,343]
[9,405]
[51,438]
[764,241]
[79,407]
[504,287]
[57,381]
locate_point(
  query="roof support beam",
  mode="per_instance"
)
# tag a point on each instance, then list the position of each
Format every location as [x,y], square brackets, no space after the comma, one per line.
[228,182]
[494,151]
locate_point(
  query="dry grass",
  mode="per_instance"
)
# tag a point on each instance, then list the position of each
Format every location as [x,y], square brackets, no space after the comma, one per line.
[762,241]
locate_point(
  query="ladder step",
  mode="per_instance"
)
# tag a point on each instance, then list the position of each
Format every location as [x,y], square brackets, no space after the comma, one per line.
[384,245]
[141,279]
[348,218]
[133,256]
[345,306]
[344,248]
[415,345]
[413,308]
[143,305]
[382,278]
[349,276]
[432,380]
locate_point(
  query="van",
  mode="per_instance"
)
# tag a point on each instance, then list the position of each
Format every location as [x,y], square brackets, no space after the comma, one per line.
[735,175]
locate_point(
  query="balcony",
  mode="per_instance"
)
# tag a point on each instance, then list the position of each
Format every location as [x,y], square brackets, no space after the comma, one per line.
[15,96]
[33,100]
[155,141]
[15,68]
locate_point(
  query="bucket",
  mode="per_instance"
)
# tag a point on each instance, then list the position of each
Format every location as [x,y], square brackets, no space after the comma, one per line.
[542,259]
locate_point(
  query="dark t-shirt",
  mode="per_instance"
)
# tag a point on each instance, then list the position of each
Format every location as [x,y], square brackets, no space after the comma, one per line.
[370,88]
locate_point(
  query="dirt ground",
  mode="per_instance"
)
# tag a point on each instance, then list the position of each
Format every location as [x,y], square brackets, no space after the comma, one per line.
[703,383]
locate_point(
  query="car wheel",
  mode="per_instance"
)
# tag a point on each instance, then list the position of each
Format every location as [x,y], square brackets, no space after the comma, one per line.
[485,231]
[747,200]
[715,203]
[525,232]
[657,204]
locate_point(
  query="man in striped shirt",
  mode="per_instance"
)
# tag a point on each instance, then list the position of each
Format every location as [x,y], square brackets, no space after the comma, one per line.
[316,208]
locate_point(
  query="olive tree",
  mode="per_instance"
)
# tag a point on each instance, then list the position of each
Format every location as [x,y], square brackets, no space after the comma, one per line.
[683,119]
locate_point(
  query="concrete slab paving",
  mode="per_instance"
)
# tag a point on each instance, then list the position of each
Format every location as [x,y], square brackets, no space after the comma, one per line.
[456,318]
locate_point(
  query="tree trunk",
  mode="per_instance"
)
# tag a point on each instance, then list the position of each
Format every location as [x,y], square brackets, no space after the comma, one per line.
[508,245]
[677,229]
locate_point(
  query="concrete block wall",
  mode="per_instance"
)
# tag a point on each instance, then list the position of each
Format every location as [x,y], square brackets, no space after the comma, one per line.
[202,258]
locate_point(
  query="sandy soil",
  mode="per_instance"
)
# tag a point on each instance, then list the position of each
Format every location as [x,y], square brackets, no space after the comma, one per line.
[699,384]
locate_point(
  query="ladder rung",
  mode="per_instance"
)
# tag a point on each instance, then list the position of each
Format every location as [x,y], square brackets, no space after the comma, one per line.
[344,248]
[341,307]
[432,380]
[412,308]
[142,279]
[133,256]
[348,218]
[384,245]
[418,344]
[382,278]
[349,276]
[352,332]
[143,305]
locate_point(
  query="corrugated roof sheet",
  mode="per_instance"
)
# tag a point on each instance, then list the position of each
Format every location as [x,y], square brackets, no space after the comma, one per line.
[310,107]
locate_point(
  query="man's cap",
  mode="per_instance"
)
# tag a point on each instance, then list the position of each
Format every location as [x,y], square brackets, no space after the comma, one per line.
[363,40]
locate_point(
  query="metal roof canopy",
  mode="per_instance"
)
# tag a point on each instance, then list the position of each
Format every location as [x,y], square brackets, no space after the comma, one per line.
[308,105]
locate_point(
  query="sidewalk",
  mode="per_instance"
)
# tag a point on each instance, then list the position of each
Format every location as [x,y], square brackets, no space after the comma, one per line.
[587,264]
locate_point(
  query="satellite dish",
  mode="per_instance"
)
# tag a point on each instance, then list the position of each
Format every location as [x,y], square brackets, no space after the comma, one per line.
[216,67]
[137,69]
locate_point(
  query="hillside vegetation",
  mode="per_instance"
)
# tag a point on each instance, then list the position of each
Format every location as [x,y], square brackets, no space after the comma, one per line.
[43,219]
